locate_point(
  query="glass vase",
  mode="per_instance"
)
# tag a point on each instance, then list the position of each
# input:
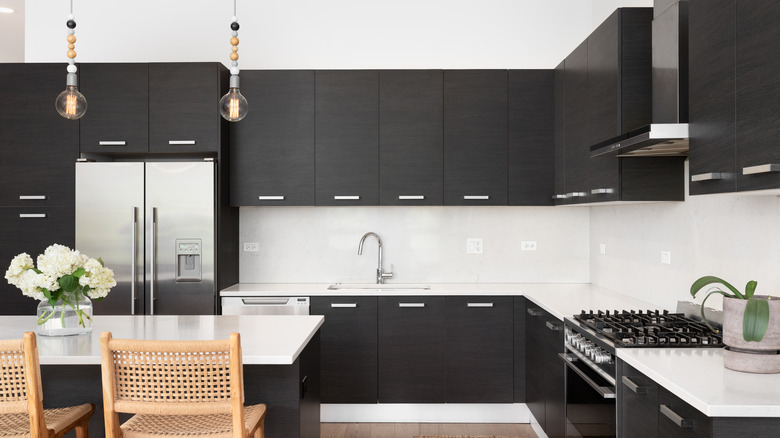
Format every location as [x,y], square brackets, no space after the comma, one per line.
[73,317]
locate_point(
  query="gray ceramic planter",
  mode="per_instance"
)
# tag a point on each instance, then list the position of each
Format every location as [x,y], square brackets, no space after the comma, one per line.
[751,357]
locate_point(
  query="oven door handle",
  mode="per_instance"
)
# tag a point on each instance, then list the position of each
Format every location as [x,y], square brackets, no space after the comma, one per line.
[604,391]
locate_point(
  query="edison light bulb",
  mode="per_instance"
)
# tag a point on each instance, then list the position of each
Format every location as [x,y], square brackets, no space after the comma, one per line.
[233,105]
[70,103]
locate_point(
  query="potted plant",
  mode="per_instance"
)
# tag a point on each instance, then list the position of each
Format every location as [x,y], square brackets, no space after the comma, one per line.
[751,325]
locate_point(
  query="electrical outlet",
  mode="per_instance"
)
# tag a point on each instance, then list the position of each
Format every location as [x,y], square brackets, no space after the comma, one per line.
[666,257]
[474,245]
[603,248]
[251,246]
[528,245]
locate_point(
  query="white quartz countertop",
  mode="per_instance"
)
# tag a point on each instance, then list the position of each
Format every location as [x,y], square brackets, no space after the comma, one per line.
[265,340]
[698,377]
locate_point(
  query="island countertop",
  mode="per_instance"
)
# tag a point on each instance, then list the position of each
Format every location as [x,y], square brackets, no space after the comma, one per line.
[265,340]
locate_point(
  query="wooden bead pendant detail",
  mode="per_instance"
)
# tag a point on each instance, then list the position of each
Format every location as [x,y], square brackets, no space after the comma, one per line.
[71,53]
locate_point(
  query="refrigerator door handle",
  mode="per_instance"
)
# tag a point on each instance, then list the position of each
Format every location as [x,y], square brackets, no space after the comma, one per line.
[133,257]
[153,264]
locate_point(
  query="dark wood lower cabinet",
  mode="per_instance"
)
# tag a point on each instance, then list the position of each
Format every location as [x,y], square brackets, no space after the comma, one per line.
[545,391]
[411,349]
[638,404]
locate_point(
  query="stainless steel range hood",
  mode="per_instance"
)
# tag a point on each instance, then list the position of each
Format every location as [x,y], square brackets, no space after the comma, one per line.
[668,134]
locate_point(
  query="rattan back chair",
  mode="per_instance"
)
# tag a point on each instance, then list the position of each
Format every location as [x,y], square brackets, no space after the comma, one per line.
[177,388]
[21,396]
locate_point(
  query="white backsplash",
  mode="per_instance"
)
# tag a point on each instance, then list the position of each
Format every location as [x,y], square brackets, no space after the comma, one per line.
[425,244]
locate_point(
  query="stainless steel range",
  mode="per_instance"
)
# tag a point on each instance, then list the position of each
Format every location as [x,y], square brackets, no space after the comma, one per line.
[591,339]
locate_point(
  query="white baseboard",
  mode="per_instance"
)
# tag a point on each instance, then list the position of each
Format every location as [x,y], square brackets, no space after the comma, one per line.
[425,413]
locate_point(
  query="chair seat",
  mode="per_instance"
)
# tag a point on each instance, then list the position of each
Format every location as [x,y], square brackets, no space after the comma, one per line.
[57,419]
[211,426]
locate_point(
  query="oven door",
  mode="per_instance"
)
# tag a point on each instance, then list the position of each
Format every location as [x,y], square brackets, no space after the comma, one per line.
[590,399]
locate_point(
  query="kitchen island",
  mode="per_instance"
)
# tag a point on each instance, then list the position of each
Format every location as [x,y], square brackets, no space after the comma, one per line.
[280,353]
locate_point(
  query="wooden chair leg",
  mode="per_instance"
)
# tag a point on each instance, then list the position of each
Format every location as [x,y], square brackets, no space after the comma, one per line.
[82,430]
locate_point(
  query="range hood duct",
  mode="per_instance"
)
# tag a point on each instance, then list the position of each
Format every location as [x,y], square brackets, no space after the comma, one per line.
[668,134]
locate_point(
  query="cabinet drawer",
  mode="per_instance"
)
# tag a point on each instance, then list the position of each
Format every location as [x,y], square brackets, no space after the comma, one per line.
[679,419]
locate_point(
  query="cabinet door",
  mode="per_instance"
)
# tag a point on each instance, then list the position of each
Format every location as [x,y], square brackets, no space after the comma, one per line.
[576,116]
[39,146]
[411,349]
[758,95]
[531,153]
[554,386]
[30,230]
[637,404]
[559,134]
[535,363]
[520,348]
[183,107]
[272,149]
[346,135]
[117,118]
[410,137]
[348,348]
[711,39]
[479,360]
[678,419]
[475,137]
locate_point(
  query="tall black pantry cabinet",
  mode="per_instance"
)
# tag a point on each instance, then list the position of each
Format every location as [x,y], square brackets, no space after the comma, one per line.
[39,149]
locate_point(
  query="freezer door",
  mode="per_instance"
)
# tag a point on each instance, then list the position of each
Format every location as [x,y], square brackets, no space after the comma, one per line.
[109,221]
[180,252]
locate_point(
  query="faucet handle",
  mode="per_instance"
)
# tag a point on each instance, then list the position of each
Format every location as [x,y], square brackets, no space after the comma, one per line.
[388,274]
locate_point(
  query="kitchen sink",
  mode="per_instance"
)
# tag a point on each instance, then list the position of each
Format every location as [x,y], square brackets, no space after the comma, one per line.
[378,287]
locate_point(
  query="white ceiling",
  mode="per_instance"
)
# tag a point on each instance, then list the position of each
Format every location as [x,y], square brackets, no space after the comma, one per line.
[12,32]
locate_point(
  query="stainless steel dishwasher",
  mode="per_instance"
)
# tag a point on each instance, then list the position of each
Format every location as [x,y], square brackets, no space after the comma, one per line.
[265,305]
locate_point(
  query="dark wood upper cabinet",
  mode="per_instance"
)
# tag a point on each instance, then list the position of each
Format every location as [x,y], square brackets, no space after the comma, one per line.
[475,137]
[272,148]
[531,139]
[712,100]
[117,118]
[184,107]
[757,95]
[347,137]
[559,132]
[577,154]
[410,137]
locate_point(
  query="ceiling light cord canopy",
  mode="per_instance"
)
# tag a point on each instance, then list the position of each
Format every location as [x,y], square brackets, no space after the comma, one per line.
[233,105]
[71,104]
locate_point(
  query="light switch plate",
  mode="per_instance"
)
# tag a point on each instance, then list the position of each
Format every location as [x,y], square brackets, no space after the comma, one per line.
[474,245]
[603,248]
[251,247]
[666,257]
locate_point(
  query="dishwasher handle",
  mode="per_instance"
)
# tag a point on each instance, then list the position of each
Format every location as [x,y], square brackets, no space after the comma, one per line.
[264,301]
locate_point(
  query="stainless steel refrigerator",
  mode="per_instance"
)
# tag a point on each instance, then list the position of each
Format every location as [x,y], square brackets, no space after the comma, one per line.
[153,223]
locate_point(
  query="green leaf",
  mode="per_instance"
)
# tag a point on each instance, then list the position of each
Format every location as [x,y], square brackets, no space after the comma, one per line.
[750,288]
[756,320]
[46,293]
[709,279]
[78,273]
[703,316]
[101,262]
[37,271]
[68,283]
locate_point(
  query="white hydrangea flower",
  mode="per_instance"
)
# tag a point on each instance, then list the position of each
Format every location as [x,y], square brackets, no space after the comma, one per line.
[29,282]
[99,279]
[59,260]
[19,265]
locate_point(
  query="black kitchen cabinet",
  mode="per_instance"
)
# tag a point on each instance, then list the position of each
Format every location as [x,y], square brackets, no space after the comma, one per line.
[637,406]
[479,350]
[559,132]
[348,348]
[577,149]
[712,99]
[678,419]
[475,137]
[272,149]
[411,349]
[346,137]
[410,137]
[183,107]
[31,230]
[520,348]
[757,95]
[117,118]
[531,143]
[545,391]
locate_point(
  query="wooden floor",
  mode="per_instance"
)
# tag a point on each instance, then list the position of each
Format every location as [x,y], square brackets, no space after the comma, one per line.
[408,430]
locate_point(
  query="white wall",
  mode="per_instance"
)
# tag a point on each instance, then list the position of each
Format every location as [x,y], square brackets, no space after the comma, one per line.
[12,32]
[426,244]
[735,237]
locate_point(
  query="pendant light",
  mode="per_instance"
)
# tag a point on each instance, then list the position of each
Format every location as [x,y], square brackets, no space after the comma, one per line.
[70,103]
[233,105]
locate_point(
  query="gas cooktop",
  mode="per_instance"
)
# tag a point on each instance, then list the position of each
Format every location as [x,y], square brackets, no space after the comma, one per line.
[649,329]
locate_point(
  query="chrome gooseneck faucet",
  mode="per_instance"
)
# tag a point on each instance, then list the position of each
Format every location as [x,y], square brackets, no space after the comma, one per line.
[381,275]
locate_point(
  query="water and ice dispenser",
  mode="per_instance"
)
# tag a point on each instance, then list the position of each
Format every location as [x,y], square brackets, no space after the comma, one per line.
[189,260]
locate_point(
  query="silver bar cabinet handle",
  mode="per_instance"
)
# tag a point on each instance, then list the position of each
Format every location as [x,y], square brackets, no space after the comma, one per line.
[711,176]
[479,304]
[576,195]
[133,256]
[181,142]
[676,419]
[32,197]
[411,304]
[560,196]
[601,191]
[32,215]
[112,143]
[411,197]
[343,305]
[346,197]
[476,197]
[636,389]
[154,259]
[552,326]
[271,198]
[763,168]
[534,312]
